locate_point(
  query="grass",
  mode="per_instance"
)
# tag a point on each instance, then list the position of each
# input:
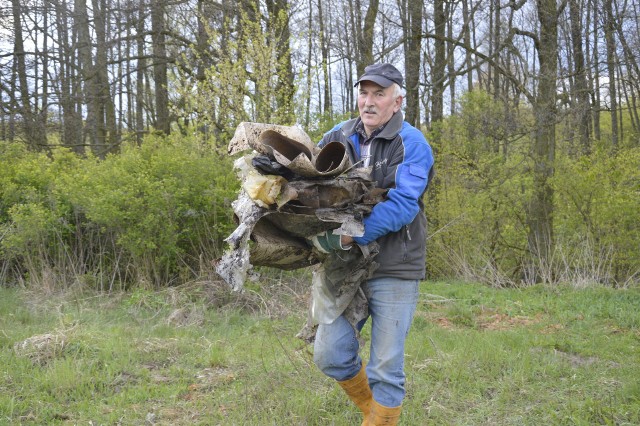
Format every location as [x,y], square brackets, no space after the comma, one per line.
[199,354]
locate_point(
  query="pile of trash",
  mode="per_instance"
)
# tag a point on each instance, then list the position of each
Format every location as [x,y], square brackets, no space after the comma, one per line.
[291,191]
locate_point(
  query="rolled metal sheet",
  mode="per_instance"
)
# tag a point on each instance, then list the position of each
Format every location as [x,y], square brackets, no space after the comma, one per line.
[291,147]
[332,159]
[288,148]
[247,134]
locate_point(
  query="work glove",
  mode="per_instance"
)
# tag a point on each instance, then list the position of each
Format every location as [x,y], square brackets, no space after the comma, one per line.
[327,241]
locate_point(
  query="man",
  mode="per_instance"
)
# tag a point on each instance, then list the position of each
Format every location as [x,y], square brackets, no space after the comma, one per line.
[401,161]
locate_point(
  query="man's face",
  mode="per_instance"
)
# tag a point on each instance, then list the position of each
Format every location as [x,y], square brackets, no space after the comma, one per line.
[376,104]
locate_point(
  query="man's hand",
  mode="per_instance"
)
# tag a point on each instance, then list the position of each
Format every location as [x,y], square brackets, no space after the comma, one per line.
[346,241]
[327,241]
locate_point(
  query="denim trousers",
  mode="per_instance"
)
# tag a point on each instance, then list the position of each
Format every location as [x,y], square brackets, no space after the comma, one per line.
[392,303]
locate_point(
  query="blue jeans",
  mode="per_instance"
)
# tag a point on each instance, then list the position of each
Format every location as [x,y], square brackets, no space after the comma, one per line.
[392,303]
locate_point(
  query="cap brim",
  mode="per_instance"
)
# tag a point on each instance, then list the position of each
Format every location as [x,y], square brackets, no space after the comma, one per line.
[378,79]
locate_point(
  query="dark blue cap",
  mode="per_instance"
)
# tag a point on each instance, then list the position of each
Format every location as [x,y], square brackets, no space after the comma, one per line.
[382,74]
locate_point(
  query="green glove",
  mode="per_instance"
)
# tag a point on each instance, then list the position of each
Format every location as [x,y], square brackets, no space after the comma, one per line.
[327,241]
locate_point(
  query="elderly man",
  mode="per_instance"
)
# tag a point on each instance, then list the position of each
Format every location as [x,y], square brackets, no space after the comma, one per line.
[401,161]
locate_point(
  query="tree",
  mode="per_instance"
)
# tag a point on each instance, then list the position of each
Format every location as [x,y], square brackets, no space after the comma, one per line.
[580,93]
[34,129]
[412,25]
[324,48]
[609,34]
[106,129]
[310,37]
[280,35]
[89,75]
[161,81]
[593,71]
[365,34]
[140,72]
[540,209]
[71,119]
[440,62]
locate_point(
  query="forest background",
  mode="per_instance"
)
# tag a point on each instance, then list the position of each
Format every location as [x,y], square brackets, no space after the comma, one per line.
[115,116]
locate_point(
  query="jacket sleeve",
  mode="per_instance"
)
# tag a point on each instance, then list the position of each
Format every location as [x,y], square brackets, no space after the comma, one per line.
[411,177]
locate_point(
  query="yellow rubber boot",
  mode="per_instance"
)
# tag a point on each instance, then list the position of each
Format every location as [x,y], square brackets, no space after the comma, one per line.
[381,415]
[359,392]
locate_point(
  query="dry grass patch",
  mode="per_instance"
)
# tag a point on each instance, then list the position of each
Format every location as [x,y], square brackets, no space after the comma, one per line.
[502,321]
[186,317]
[42,348]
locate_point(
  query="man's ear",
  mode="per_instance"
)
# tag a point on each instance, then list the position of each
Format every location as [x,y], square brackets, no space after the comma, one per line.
[398,104]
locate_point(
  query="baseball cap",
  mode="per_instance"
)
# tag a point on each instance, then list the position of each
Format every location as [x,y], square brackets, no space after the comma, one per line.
[383,74]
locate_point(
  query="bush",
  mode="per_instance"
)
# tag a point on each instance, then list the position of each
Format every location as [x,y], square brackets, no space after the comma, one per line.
[596,216]
[477,206]
[156,213]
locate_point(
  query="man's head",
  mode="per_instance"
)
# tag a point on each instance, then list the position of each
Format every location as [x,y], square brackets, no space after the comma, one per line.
[379,95]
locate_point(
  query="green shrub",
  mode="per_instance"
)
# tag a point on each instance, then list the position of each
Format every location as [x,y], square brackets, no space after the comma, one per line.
[476,203]
[156,213]
[33,222]
[477,206]
[596,216]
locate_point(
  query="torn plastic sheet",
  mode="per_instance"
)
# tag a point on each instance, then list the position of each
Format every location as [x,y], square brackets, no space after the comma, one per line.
[337,281]
[235,264]
[336,289]
[263,189]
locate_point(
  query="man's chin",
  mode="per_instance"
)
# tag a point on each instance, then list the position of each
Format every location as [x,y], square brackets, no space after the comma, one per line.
[372,122]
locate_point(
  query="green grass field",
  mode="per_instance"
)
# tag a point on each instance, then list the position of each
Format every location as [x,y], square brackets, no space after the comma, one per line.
[199,354]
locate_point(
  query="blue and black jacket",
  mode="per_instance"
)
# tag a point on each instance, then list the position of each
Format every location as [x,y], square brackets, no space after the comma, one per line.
[402,162]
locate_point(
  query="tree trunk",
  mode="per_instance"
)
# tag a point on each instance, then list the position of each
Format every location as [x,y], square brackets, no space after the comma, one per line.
[162,122]
[467,41]
[594,78]
[87,72]
[106,111]
[129,69]
[71,121]
[324,48]
[285,89]
[413,35]
[451,69]
[34,131]
[140,74]
[365,41]
[497,42]
[437,72]
[609,34]
[581,90]
[44,110]
[540,212]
